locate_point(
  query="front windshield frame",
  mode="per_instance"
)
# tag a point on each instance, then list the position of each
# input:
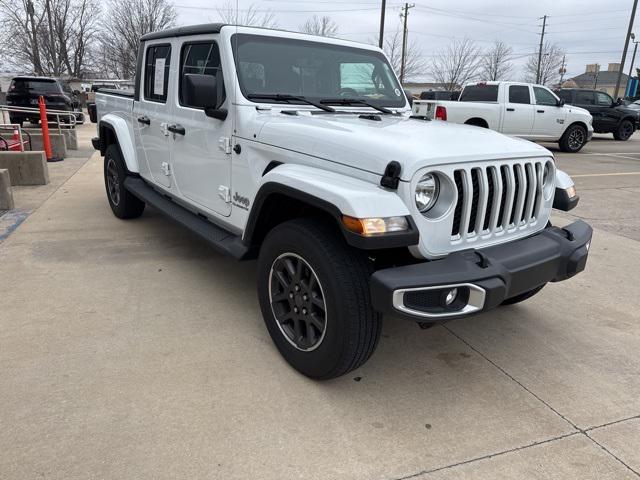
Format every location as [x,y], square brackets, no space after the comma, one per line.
[399,100]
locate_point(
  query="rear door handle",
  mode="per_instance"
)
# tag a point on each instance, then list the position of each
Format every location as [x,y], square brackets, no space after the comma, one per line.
[175,128]
[511,109]
[144,120]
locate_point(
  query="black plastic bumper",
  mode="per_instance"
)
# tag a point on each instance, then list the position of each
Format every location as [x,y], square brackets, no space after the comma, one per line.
[502,271]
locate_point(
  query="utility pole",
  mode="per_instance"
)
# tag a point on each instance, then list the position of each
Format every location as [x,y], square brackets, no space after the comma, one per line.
[544,26]
[563,69]
[595,78]
[626,46]
[382,12]
[405,33]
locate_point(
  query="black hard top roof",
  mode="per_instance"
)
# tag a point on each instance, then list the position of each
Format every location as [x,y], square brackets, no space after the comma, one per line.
[184,31]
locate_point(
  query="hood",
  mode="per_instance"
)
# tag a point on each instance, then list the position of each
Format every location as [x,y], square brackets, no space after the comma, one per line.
[574,109]
[371,144]
[628,110]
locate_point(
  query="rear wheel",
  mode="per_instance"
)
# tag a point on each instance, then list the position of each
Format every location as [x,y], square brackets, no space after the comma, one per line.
[624,131]
[574,138]
[122,202]
[314,296]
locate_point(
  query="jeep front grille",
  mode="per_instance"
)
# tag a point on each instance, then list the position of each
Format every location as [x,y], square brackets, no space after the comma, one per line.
[496,198]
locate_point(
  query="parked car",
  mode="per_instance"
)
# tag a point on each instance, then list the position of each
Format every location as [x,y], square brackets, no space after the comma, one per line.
[300,151]
[25,92]
[609,116]
[520,109]
[440,95]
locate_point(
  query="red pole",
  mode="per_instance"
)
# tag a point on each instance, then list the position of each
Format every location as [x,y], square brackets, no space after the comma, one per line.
[46,141]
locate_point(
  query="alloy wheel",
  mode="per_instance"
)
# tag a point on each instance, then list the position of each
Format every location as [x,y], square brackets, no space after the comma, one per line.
[113,182]
[297,301]
[576,139]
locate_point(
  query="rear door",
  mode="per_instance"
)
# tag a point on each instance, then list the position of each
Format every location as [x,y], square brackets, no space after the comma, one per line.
[586,99]
[152,113]
[549,120]
[518,111]
[200,157]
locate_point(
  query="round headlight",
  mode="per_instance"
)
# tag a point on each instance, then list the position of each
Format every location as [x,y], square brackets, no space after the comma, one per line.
[427,191]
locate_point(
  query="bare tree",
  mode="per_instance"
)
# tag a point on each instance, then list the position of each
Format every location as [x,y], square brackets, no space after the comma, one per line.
[127,21]
[550,64]
[49,37]
[322,26]
[251,16]
[496,64]
[456,64]
[415,64]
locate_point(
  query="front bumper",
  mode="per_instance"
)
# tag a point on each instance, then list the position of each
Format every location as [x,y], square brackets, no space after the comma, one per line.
[483,278]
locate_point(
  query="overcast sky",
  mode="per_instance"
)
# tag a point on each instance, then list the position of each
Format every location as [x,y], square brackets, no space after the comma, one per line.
[589,31]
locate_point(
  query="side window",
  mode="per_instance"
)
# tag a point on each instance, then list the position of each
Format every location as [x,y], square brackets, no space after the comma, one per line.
[603,99]
[544,96]
[565,95]
[519,94]
[156,73]
[584,98]
[202,58]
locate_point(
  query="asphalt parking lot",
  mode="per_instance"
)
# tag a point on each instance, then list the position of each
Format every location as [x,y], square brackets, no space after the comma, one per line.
[132,350]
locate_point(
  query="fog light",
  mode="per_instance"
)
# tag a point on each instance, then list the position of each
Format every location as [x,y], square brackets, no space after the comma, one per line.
[451,296]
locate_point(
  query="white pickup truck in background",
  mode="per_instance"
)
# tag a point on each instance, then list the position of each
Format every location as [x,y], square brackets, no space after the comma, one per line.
[519,109]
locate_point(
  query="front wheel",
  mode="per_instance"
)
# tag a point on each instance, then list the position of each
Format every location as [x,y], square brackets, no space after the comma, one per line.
[574,138]
[624,131]
[122,202]
[314,296]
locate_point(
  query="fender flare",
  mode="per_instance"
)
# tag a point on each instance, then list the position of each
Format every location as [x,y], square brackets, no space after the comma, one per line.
[561,200]
[336,195]
[117,126]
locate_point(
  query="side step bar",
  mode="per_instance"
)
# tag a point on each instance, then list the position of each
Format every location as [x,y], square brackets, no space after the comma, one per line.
[223,241]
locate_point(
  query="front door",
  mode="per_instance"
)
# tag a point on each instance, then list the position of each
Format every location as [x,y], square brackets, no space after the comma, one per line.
[607,113]
[152,113]
[518,111]
[200,154]
[549,120]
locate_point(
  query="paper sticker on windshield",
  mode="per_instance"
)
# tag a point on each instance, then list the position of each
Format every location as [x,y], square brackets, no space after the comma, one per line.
[158,80]
[398,94]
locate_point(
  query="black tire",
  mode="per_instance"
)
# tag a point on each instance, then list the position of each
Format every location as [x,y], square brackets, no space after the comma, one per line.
[351,328]
[123,203]
[573,139]
[523,296]
[624,131]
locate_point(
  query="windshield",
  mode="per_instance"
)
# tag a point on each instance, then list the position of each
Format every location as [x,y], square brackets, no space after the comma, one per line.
[317,71]
[34,86]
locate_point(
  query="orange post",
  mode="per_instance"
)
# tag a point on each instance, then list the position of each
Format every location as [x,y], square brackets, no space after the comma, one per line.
[46,141]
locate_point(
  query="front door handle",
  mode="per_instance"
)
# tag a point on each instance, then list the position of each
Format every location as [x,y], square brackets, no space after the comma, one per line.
[144,119]
[540,111]
[511,109]
[175,128]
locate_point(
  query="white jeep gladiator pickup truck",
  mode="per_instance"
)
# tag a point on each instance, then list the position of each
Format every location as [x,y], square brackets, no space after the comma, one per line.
[301,151]
[520,109]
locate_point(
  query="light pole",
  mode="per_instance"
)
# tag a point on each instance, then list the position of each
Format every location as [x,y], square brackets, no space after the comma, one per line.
[626,45]
[633,59]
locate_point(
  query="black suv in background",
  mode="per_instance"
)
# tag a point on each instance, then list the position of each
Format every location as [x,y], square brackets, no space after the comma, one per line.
[25,91]
[609,116]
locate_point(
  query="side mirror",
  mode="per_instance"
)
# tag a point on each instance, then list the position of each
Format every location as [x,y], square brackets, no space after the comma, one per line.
[619,102]
[409,97]
[76,92]
[560,103]
[217,113]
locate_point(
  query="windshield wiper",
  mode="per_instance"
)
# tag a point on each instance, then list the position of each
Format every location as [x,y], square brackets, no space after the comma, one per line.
[283,97]
[355,101]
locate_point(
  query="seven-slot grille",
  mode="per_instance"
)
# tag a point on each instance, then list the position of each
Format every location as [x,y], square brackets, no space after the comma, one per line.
[497,197]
